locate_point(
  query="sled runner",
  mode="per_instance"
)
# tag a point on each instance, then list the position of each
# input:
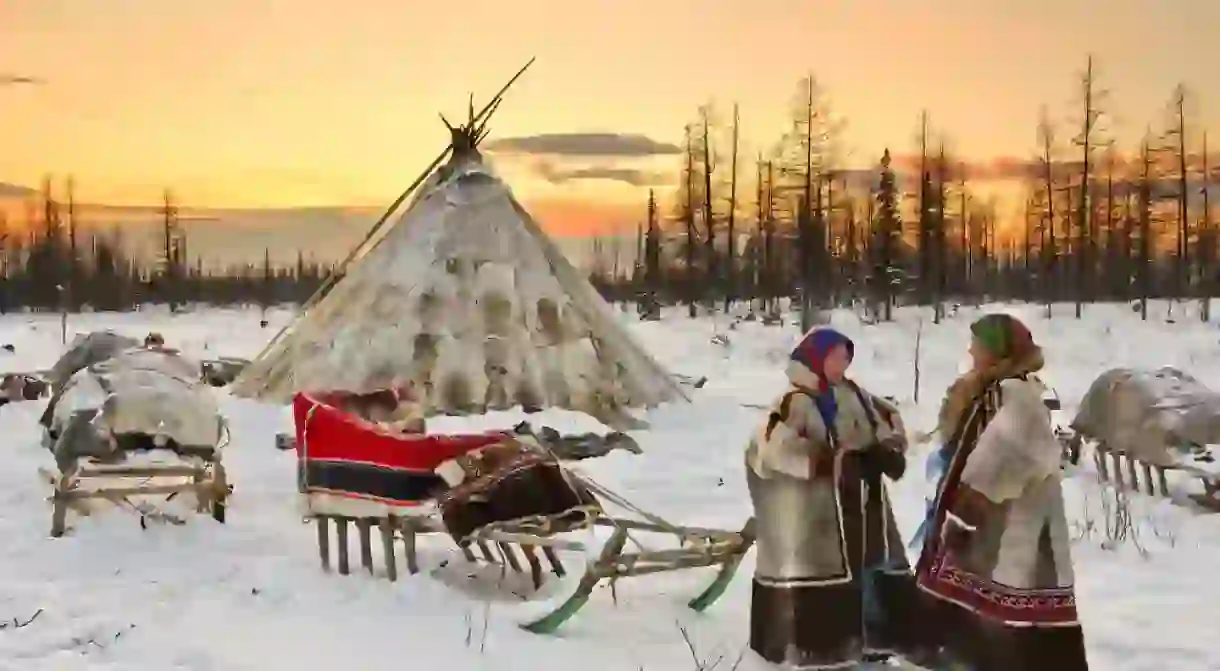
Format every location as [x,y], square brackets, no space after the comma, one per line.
[500,490]
[1152,422]
[138,423]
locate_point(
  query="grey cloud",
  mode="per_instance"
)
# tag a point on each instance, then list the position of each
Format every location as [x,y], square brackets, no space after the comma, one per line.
[11,79]
[557,175]
[15,191]
[584,144]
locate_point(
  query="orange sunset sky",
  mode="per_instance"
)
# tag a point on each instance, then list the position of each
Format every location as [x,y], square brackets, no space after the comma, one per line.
[269,103]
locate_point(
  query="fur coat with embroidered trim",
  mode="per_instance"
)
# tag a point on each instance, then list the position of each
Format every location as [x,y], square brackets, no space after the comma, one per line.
[795,441]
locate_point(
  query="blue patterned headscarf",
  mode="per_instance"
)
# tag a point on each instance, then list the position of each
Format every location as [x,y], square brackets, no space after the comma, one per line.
[811,354]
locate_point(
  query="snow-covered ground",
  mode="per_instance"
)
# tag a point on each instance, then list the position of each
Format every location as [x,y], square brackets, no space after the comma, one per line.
[250,595]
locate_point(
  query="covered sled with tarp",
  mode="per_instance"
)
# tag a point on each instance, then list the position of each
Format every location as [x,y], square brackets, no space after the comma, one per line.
[1160,420]
[132,422]
[85,350]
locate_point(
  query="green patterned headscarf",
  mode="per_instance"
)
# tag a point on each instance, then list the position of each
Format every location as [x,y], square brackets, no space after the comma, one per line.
[1004,336]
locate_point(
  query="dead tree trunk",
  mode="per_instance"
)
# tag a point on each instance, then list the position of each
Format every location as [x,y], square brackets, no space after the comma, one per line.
[1206,253]
[1083,209]
[1182,268]
[1050,253]
[1145,223]
[709,221]
[730,264]
[688,215]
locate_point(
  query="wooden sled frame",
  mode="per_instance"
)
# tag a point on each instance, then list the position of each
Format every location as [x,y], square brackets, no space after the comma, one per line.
[207,481]
[700,548]
[1154,480]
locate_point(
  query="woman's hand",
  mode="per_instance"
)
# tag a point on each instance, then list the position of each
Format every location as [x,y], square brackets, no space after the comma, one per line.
[821,462]
[887,457]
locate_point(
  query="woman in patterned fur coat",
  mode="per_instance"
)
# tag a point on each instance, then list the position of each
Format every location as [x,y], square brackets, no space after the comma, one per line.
[995,562]
[832,587]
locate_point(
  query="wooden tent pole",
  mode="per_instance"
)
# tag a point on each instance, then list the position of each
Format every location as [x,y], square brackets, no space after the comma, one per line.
[330,280]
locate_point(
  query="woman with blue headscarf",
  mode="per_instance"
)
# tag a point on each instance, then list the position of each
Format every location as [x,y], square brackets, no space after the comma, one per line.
[832,586]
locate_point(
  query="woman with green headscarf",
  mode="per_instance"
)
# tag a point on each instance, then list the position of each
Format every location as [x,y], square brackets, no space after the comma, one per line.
[995,563]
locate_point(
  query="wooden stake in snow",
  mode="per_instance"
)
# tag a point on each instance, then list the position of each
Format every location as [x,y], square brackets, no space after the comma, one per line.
[63,315]
[918,342]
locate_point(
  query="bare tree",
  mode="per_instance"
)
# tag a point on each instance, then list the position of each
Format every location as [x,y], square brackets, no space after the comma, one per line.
[809,147]
[652,260]
[1050,249]
[1091,113]
[73,262]
[940,224]
[1144,266]
[924,208]
[688,217]
[709,217]
[1175,139]
[169,237]
[1207,242]
[730,264]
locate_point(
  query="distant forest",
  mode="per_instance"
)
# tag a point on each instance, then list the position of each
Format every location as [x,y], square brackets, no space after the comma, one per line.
[54,266]
[1099,222]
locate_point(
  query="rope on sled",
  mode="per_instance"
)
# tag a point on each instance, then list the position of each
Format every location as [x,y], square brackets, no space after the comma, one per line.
[588,483]
[625,504]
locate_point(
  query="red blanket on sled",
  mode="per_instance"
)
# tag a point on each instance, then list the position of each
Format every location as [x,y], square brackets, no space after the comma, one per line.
[345,455]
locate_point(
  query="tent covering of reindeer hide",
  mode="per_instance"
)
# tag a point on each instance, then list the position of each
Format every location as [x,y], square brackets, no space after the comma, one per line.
[466,301]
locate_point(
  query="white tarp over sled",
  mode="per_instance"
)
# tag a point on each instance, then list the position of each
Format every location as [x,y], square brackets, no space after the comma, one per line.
[87,349]
[1156,416]
[147,392]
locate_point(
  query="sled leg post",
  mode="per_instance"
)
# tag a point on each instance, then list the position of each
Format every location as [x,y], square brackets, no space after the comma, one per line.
[386,527]
[408,539]
[1149,486]
[341,529]
[323,524]
[1131,473]
[1118,470]
[202,500]
[1160,476]
[469,554]
[220,500]
[486,552]
[580,597]
[1099,457]
[59,513]
[510,557]
[531,556]
[363,531]
[553,558]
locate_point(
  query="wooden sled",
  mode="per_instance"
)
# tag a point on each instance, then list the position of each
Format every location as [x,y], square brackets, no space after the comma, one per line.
[335,450]
[1124,471]
[71,490]
[698,548]
[1166,416]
